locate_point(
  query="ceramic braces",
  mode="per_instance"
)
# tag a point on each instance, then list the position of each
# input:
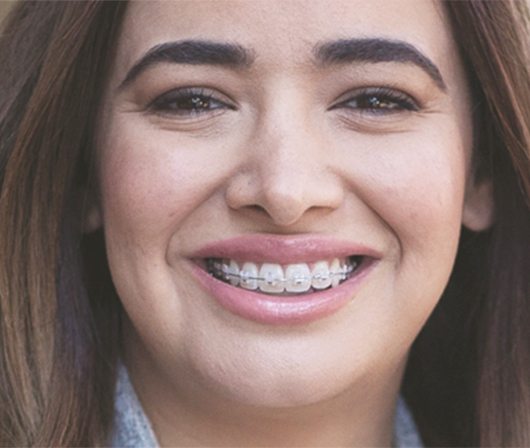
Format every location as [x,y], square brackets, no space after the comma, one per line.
[220,270]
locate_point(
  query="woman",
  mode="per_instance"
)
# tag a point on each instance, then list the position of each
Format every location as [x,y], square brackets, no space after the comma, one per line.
[252,214]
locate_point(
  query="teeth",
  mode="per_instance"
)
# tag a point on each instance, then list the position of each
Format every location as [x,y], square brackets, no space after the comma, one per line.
[298,278]
[273,278]
[233,273]
[321,275]
[248,276]
[334,271]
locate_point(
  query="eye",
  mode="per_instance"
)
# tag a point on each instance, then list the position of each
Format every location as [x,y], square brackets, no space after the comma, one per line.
[189,102]
[378,101]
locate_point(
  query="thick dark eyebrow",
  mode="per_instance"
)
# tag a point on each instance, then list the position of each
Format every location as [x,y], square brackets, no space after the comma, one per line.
[191,52]
[376,50]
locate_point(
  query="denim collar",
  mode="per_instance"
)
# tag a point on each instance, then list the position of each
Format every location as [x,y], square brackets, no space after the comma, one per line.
[132,428]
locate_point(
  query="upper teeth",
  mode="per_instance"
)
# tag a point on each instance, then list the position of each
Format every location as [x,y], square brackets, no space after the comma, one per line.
[275,278]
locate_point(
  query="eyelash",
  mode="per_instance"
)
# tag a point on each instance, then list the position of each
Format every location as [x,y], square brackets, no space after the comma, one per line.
[190,102]
[379,101]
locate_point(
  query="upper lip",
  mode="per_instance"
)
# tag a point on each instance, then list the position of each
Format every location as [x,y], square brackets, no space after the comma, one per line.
[284,249]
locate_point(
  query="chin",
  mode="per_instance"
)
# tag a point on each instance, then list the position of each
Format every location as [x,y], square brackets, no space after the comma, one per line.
[281,391]
[291,379]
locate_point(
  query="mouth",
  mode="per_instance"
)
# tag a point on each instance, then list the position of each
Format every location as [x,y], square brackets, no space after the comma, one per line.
[284,279]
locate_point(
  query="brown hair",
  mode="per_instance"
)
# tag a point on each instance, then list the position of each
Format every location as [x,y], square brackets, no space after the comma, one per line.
[468,376]
[56,367]
[467,380]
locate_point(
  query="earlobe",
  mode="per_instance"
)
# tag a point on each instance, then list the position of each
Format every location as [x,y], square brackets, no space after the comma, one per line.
[91,215]
[478,213]
[91,220]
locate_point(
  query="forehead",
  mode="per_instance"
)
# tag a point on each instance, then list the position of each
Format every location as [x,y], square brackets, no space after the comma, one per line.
[280,31]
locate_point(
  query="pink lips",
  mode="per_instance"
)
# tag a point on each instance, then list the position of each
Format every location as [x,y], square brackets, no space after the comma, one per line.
[283,310]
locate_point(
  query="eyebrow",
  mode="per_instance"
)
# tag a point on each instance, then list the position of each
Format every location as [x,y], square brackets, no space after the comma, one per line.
[193,52]
[376,50]
[235,56]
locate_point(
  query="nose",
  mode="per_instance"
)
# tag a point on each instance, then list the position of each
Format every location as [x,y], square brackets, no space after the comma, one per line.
[287,173]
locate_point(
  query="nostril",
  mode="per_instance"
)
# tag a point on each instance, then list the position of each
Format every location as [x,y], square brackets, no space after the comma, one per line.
[253,211]
[257,208]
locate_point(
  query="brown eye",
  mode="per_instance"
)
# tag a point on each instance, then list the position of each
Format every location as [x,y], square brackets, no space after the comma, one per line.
[188,101]
[375,102]
[379,101]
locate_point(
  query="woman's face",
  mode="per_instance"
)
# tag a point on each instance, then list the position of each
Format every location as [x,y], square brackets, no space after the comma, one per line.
[279,136]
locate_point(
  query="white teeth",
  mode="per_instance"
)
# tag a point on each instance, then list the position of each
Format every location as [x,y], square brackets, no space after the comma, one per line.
[321,278]
[298,278]
[271,278]
[233,273]
[334,270]
[248,276]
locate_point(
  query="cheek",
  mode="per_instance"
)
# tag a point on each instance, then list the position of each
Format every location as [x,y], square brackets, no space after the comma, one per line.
[151,182]
[421,197]
[150,186]
[421,202]
[414,182]
[414,186]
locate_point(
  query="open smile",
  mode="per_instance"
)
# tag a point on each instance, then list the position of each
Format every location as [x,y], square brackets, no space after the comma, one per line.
[276,287]
[290,279]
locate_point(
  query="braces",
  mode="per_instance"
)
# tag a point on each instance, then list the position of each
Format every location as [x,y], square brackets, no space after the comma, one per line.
[216,268]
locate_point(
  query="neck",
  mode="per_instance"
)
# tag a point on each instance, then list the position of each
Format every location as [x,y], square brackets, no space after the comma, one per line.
[329,424]
[185,414]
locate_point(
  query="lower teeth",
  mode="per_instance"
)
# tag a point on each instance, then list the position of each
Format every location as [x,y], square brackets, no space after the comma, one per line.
[283,287]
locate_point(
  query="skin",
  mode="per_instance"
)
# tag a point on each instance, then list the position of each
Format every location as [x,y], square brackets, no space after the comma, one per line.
[282,160]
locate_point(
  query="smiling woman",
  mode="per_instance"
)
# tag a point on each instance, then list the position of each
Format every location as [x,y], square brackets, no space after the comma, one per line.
[229,224]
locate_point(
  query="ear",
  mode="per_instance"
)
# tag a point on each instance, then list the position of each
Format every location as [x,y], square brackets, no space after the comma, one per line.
[478,213]
[91,218]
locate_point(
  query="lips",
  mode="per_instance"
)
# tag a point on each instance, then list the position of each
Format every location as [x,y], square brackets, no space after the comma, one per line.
[286,308]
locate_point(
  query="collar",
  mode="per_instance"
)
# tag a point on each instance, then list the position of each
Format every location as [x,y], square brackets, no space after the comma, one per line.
[132,428]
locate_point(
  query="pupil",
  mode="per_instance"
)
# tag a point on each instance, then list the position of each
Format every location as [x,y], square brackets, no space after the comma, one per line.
[198,103]
[374,101]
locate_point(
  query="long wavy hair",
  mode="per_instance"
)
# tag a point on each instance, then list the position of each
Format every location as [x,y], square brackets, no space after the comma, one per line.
[468,376]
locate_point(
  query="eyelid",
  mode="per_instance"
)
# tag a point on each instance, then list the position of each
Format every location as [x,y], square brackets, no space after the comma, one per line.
[385,91]
[188,91]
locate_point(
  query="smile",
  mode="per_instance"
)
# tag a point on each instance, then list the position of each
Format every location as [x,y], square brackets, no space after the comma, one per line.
[283,280]
[290,279]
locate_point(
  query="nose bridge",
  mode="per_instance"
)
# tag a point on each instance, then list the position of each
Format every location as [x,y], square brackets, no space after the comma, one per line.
[289,161]
[285,119]
[287,154]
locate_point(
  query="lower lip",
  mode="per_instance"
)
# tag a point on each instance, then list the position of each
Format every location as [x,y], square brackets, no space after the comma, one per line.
[282,310]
